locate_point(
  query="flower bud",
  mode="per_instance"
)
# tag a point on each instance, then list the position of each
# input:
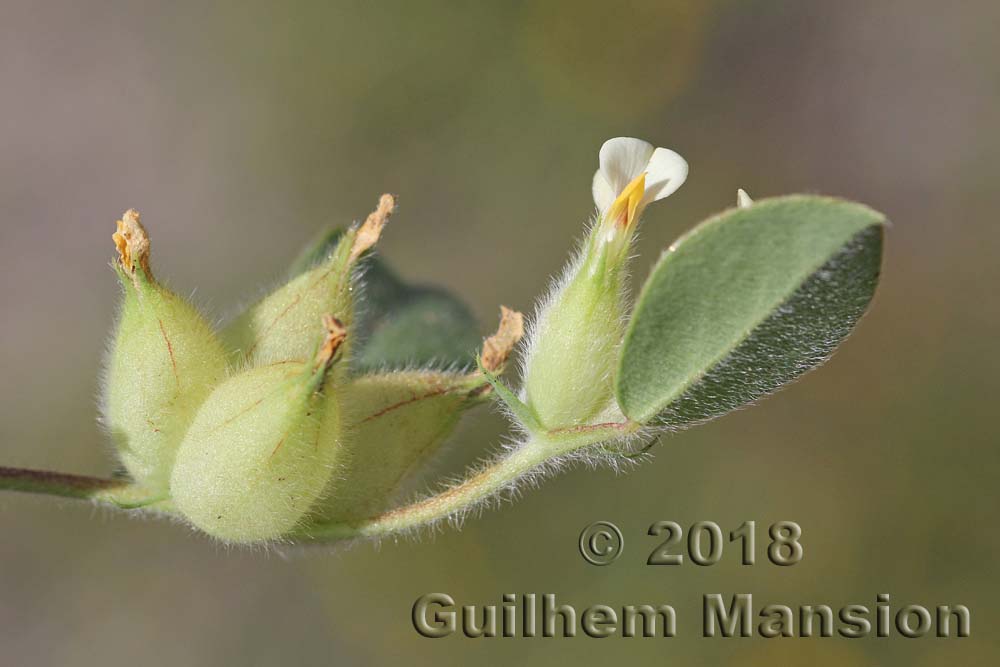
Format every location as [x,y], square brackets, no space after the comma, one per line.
[163,361]
[571,358]
[255,461]
[284,326]
[571,354]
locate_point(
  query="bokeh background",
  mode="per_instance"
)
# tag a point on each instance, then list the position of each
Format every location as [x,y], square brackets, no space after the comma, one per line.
[239,129]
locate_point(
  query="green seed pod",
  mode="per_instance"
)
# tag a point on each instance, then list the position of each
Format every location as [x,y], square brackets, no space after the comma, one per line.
[284,326]
[163,362]
[393,422]
[253,463]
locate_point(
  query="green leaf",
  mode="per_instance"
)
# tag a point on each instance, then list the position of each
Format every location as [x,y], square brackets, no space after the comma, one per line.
[423,327]
[744,303]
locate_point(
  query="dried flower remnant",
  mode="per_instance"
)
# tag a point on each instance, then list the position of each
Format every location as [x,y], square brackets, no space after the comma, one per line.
[369,232]
[498,347]
[132,243]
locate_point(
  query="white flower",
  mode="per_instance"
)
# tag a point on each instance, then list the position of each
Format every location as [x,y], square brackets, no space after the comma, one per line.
[623,160]
[573,345]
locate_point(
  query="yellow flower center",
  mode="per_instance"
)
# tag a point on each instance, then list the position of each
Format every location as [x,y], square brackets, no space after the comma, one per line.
[624,209]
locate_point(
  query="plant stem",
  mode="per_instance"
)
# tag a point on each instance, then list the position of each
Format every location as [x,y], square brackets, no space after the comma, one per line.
[502,474]
[121,493]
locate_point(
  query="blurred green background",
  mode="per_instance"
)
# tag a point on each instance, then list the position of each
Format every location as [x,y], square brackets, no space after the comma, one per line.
[239,129]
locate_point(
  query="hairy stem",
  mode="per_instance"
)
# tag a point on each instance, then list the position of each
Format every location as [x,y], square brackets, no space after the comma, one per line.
[500,475]
[492,479]
[120,493]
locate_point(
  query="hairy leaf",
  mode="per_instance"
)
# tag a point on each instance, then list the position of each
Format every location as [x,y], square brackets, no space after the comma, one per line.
[425,327]
[408,326]
[744,303]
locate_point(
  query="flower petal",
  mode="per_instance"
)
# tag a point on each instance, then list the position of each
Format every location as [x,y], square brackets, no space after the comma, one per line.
[666,172]
[622,159]
[622,213]
[604,194]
